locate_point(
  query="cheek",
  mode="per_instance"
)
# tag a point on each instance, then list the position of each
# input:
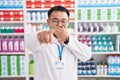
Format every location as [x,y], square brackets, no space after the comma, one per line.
[66,26]
[50,26]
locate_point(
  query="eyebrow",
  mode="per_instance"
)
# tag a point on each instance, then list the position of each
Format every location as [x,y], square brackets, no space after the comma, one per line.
[58,19]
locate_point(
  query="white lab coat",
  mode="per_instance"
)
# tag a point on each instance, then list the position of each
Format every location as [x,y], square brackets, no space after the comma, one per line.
[45,58]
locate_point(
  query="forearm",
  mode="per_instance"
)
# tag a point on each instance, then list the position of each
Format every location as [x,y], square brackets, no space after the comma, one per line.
[79,50]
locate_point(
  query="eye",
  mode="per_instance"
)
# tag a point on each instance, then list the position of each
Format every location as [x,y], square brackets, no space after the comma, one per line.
[55,21]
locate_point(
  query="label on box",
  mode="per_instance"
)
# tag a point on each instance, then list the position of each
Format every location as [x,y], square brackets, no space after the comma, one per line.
[13,66]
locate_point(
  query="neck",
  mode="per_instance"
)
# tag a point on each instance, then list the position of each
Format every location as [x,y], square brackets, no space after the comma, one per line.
[60,42]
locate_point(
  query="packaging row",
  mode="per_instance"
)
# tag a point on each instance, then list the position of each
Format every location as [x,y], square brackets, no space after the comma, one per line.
[12,65]
[12,44]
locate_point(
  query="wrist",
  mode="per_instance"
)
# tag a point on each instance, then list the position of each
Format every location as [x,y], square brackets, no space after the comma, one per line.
[67,40]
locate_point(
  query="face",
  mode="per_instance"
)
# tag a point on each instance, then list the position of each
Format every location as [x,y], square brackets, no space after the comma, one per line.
[58,19]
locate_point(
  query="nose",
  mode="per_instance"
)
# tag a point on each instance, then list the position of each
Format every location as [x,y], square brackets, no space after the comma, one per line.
[59,24]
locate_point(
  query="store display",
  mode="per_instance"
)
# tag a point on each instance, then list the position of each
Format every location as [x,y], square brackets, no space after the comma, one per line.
[98,14]
[37,16]
[11,29]
[101,17]
[12,65]
[113,65]
[4,4]
[41,16]
[99,43]
[98,3]
[11,15]
[102,69]
[12,44]
[87,68]
[49,3]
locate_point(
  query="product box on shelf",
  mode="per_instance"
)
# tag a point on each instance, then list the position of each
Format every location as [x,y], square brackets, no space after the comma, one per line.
[11,15]
[12,44]
[49,3]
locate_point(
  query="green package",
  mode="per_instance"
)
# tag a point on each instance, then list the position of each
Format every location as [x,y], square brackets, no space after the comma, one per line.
[118,17]
[99,17]
[89,14]
[118,12]
[79,14]
[108,11]
[31,67]
[98,11]
[18,65]
[9,65]
[108,17]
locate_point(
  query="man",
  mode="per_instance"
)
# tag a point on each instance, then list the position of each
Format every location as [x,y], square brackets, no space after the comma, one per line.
[57,60]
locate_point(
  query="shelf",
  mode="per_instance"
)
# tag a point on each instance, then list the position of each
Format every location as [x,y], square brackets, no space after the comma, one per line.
[31,75]
[98,7]
[43,9]
[106,52]
[12,34]
[100,21]
[12,53]
[11,21]
[37,22]
[95,76]
[13,9]
[97,33]
[11,76]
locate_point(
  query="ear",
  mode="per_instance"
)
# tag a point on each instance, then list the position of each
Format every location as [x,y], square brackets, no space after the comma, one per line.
[48,22]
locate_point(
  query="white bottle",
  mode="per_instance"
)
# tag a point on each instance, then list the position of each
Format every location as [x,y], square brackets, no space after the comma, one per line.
[98,69]
[102,69]
[42,16]
[105,69]
[91,27]
[107,28]
[28,16]
[101,27]
[80,28]
[85,27]
[29,29]
[96,28]
[114,28]
[33,29]
[33,16]
[38,16]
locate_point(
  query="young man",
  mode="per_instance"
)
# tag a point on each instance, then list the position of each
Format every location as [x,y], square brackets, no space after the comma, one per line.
[58,59]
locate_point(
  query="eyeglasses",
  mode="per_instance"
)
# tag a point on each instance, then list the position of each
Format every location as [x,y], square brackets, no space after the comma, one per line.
[56,22]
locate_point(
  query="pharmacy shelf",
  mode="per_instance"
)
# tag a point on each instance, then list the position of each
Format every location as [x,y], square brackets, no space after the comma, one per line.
[13,9]
[98,7]
[96,76]
[11,22]
[40,22]
[4,34]
[12,53]
[100,53]
[43,9]
[31,75]
[12,76]
[99,21]
[97,33]
[37,22]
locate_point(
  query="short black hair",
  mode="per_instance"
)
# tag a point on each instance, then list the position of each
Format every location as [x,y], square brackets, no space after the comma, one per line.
[58,8]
